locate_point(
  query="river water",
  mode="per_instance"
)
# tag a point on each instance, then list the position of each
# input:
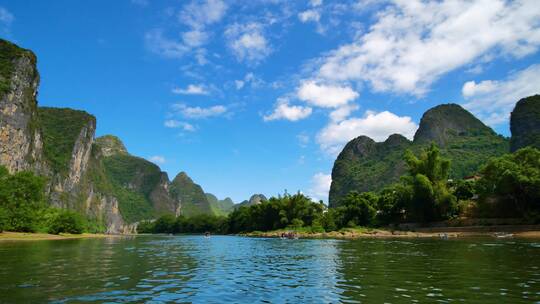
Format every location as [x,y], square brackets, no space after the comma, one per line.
[228,269]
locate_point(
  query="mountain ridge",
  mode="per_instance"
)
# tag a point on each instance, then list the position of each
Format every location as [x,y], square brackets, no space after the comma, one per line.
[366,165]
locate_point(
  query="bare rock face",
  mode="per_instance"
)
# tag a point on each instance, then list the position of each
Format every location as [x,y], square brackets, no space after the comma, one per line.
[21,141]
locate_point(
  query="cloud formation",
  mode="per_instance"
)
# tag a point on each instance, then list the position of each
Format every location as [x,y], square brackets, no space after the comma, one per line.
[191,89]
[197,15]
[377,125]
[285,111]
[325,96]
[199,112]
[320,186]
[247,42]
[397,53]
[171,123]
[493,100]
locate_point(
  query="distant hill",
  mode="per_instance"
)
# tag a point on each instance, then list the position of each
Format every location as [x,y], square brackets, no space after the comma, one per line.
[255,199]
[220,207]
[366,165]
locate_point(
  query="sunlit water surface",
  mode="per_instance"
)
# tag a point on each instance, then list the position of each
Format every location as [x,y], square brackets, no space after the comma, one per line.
[227,269]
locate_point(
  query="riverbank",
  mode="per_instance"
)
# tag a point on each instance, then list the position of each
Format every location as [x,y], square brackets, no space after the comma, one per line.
[23,236]
[523,231]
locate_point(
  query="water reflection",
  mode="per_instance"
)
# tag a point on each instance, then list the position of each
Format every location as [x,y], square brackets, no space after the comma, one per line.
[245,270]
[420,271]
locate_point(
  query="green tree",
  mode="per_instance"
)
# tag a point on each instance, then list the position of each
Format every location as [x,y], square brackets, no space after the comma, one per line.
[165,224]
[355,209]
[67,221]
[464,189]
[428,176]
[512,180]
[21,196]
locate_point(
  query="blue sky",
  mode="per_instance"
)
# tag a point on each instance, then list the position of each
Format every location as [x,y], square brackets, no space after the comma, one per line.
[260,96]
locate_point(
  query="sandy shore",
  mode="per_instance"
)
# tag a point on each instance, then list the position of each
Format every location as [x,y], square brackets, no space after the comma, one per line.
[22,236]
[529,231]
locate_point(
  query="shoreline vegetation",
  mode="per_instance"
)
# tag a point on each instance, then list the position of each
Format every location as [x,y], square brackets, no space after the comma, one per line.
[37,236]
[496,231]
[500,231]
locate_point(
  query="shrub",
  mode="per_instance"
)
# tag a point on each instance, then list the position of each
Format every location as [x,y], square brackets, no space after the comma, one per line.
[67,222]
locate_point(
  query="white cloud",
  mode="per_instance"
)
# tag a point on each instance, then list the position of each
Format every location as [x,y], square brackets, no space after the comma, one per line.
[251,79]
[5,16]
[194,38]
[239,84]
[171,123]
[343,112]
[378,126]
[315,3]
[326,96]
[309,15]
[247,42]
[157,159]
[413,43]
[285,111]
[199,14]
[191,89]
[320,186]
[198,112]
[492,101]
[164,46]
[471,88]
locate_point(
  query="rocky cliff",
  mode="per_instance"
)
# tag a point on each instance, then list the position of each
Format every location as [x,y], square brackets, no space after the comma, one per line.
[525,123]
[96,177]
[366,165]
[21,145]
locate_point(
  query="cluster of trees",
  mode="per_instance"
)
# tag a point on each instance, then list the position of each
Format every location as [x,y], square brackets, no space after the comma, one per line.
[195,224]
[510,186]
[507,186]
[23,206]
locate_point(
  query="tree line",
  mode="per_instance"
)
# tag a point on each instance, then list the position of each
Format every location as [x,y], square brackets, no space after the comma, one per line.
[507,186]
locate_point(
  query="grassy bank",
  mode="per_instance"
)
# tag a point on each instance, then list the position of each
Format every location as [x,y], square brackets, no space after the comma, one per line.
[23,236]
[529,231]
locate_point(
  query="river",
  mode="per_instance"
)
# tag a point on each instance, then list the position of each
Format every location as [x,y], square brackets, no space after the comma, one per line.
[229,269]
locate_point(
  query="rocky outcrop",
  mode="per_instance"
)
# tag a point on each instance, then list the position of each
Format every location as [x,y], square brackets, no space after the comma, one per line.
[525,123]
[20,140]
[366,165]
